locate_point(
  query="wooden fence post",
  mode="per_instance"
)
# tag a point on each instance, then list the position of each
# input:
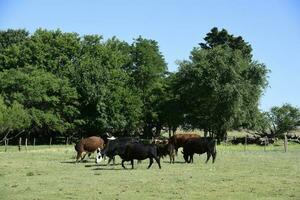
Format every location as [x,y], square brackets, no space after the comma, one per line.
[67,140]
[266,140]
[33,143]
[26,144]
[5,143]
[20,143]
[245,145]
[285,142]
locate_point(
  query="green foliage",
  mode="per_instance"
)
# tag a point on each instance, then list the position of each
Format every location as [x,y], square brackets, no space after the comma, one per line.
[223,38]
[108,101]
[12,118]
[148,70]
[219,87]
[67,84]
[283,119]
[49,100]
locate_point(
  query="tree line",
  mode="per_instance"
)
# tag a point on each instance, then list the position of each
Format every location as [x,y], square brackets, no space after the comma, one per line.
[58,84]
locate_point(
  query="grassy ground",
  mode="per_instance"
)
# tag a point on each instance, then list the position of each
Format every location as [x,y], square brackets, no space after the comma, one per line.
[50,173]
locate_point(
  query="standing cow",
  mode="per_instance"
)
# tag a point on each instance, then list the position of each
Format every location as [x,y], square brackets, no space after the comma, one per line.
[179,140]
[165,148]
[140,152]
[115,147]
[89,145]
[199,146]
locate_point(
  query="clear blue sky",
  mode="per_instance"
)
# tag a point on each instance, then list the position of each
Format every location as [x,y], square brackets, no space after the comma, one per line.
[272,28]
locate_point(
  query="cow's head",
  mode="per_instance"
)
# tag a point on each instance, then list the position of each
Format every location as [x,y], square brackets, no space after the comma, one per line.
[98,156]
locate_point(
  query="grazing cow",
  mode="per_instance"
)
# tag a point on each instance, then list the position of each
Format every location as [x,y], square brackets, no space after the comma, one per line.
[115,147]
[179,140]
[165,148]
[88,145]
[140,152]
[199,146]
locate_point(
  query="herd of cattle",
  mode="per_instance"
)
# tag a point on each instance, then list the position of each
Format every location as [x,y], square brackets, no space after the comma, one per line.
[130,149]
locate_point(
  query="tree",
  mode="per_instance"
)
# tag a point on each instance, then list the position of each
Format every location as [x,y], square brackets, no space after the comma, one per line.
[50,101]
[283,119]
[220,87]
[109,103]
[170,111]
[148,70]
[13,119]
[223,38]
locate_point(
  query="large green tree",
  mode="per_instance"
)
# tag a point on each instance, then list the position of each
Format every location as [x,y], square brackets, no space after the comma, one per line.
[109,102]
[50,101]
[220,86]
[148,69]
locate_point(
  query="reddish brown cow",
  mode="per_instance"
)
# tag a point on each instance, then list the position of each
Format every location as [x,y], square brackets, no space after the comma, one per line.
[88,145]
[179,140]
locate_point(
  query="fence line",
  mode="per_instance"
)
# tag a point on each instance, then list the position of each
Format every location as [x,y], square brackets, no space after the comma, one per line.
[227,142]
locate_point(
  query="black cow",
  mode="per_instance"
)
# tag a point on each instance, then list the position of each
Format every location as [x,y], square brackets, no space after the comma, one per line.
[116,147]
[199,146]
[140,152]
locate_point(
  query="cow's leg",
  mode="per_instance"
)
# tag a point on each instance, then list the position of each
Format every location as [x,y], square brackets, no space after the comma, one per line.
[114,160]
[109,160]
[78,156]
[158,161]
[89,155]
[132,163]
[214,155]
[171,158]
[123,164]
[83,156]
[208,156]
[151,161]
[191,158]
[176,151]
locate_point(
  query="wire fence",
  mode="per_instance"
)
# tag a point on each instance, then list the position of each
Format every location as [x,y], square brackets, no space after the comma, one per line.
[25,144]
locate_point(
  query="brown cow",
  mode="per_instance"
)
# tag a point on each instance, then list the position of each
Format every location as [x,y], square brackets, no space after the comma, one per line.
[179,140]
[88,145]
[165,148]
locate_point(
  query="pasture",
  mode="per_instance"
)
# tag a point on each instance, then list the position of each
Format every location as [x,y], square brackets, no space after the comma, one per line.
[50,173]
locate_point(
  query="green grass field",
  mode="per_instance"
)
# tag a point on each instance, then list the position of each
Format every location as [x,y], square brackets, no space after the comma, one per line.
[50,173]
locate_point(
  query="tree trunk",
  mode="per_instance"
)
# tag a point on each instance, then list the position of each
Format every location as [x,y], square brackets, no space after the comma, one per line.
[26,144]
[50,142]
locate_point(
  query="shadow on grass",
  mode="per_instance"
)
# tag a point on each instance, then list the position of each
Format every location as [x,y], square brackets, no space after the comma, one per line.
[175,162]
[110,169]
[96,165]
[68,162]
[74,162]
